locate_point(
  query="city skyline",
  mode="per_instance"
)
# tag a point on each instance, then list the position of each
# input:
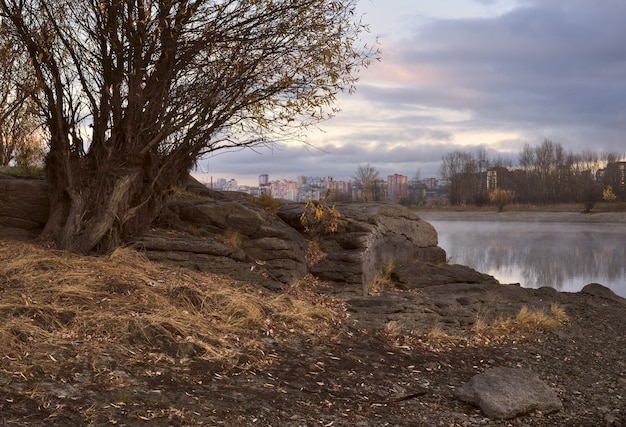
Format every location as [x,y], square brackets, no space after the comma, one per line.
[395,188]
[492,73]
[219,181]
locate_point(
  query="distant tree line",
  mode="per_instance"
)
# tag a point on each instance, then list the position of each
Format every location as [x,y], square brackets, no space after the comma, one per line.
[546,174]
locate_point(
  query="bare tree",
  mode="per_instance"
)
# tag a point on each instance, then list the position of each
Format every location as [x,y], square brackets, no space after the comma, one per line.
[19,120]
[547,172]
[417,190]
[462,171]
[135,91]
[366,178]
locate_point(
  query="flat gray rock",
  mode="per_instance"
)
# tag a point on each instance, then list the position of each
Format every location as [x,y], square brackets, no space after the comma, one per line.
[503,393]
[371,236]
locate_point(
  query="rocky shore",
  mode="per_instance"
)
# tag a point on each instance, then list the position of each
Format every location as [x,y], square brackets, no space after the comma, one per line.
[425,344]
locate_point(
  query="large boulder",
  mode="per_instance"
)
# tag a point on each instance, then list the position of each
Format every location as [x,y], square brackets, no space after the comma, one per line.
[503,393]
[371,237]
[24,206]
[226,233]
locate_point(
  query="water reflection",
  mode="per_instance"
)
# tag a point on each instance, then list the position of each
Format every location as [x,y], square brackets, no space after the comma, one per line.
[565,256]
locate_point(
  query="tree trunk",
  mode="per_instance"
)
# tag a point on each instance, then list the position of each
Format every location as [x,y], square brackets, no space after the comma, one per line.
[97,210]
[97,219]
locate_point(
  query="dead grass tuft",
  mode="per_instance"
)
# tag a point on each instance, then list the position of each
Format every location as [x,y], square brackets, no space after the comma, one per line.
[267,203]
[559,313]
[526,321]
[438,336]
[382,281]
[232,238]
[57,306]
[392,329]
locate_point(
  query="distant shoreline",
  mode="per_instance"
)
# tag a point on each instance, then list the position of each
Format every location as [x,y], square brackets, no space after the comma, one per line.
[521,216]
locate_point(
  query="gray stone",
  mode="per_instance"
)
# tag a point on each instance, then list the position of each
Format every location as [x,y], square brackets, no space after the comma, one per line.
[371,236]
[601,291]
[503,393]
[416,275]
[267,244]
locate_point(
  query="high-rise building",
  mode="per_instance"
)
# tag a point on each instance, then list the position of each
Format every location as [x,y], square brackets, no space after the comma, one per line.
[397,187]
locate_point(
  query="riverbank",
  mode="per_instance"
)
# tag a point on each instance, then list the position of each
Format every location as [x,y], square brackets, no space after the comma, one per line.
[522,216]
[121,340]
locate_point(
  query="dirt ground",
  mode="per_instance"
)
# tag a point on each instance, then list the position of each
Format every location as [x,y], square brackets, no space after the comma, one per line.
[355,378]
[357,373]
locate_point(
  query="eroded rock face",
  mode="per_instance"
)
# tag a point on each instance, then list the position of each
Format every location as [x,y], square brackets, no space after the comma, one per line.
[503,393]
[371,236]
[223,231]
[24,206]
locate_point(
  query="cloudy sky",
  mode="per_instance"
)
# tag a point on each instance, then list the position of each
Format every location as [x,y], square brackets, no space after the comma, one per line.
[459,74]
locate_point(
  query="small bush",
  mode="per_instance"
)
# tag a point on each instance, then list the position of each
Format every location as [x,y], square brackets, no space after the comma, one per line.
[501,198]
[317,220]
[608,195]
[314,253]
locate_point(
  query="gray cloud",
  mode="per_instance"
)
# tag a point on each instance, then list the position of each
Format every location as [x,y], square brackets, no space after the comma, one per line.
[548,64]
[551,69]
[339,162]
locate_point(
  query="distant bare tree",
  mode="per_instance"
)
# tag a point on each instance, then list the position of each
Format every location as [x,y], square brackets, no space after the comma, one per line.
[462,170]
[366,178]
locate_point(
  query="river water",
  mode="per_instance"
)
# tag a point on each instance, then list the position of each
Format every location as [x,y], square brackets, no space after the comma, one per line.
[565,256]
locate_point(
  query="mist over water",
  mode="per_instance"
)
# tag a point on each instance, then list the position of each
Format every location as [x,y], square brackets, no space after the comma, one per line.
[565,256]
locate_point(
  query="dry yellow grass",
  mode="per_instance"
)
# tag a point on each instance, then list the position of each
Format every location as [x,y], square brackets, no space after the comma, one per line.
[438,336]
[392,329]
[266,202]
[57,305]
[232,238]
[526,321]
[382,281]
[559,313]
